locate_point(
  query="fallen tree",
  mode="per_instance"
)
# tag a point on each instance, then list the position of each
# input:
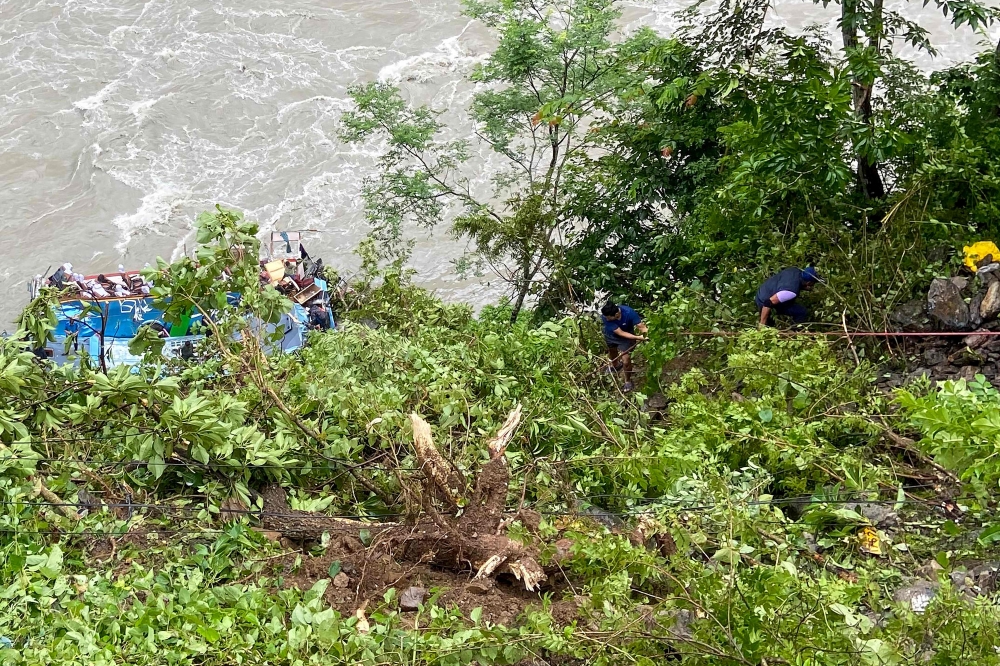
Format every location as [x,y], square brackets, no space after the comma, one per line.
[459,526]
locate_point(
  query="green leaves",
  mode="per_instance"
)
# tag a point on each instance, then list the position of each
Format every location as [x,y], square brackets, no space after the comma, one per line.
[961,425]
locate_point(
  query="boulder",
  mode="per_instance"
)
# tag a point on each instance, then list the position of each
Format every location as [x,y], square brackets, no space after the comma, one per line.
[990,307]
[911,316]
[946,306]
[960,282]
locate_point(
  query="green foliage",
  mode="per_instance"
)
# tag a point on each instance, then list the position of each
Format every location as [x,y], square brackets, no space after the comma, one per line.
[541,91]
[37,321]
[960,424]
[760,422]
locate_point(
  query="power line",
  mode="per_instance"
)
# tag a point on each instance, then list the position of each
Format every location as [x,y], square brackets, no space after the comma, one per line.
[843,334]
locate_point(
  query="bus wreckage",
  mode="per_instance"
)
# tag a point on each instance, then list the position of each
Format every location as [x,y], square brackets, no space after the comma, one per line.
[98,316]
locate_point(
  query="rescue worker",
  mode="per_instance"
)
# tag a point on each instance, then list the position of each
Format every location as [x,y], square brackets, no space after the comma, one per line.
[779,294]
[319,317]
[620,325]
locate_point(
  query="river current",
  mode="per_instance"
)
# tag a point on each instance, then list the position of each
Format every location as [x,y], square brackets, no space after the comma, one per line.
[120,120]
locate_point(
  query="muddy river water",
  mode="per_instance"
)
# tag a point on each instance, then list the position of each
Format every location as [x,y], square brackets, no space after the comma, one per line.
[120,120]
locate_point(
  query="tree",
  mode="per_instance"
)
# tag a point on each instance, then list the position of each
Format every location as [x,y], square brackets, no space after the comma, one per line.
[546,85]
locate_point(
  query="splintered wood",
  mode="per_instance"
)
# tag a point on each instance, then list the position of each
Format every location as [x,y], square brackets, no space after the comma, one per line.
[445,481]
[460,529]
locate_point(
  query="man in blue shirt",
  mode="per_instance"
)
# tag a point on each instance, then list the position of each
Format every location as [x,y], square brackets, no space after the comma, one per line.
[620,325]
[780,292]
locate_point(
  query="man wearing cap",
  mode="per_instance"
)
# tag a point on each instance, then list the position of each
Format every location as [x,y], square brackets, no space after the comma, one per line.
[620,324]
[780,292]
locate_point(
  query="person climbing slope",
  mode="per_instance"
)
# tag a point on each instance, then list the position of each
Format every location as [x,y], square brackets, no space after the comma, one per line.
[779,294]
[620,325]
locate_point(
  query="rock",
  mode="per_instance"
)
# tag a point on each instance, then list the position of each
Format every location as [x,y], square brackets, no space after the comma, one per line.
[411,598]
[917,595]
[917,374]
[975,305]
[978,581]
[881,515]
[985,577]
[480,587]
[990,307]
[341,581]
[911,316]
[968,372]
[681,627]
[965,356]
[602,516]
[989,272]
[929,570]
[945,304]
[934,356]
[961,282]
[975,341]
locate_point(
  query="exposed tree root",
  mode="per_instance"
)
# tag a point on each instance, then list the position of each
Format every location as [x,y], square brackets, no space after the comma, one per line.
[458,529]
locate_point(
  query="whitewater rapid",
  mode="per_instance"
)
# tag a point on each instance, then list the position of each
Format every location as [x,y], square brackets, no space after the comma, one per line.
[121,120]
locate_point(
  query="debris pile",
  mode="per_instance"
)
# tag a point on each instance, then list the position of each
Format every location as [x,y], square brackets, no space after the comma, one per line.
[963,303]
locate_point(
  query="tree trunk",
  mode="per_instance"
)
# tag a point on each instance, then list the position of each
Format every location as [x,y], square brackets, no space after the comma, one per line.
[461,530]
[996,73]
[869,179]
[522,291]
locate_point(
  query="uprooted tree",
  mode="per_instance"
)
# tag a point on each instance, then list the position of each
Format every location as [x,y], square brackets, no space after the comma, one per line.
[460,524]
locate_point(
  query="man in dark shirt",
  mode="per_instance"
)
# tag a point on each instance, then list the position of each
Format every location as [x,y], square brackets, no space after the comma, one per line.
[319,318]
[620,325]
[779,294]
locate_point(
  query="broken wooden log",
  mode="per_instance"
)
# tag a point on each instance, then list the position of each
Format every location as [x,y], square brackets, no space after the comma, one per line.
[459,529]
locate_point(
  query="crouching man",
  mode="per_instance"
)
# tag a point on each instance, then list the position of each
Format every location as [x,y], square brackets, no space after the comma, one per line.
[621,323]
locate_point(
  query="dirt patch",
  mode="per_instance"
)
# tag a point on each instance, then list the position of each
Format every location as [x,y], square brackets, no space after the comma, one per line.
[366,581]
[674,369]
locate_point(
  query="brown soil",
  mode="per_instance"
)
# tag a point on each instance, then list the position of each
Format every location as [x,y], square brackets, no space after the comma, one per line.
[502,601]
[677,367]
